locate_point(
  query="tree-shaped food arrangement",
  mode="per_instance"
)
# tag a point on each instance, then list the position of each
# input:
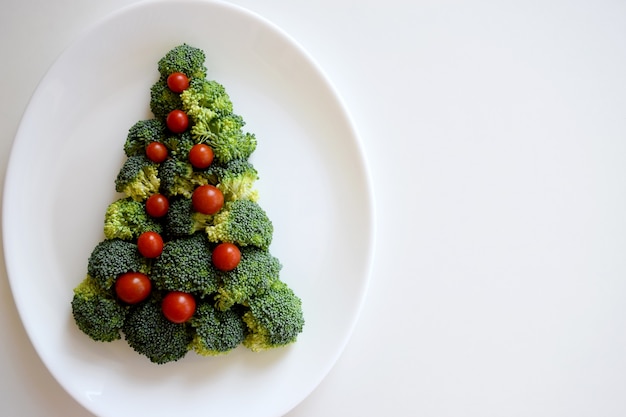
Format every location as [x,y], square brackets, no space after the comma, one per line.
[185,263]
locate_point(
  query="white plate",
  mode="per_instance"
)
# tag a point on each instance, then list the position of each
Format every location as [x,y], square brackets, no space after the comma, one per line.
[314,186]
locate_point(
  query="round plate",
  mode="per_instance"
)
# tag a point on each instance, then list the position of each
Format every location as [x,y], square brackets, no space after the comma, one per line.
[313,184]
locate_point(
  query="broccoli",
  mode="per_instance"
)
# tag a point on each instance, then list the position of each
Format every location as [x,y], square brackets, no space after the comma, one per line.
[183,58]
[138,178]
[113,257]
[182,220]
[127,219]
[274,318]
[149,333]
[178,145]
[235,179]
[216,332]
[205,99]
[226,137]
[185,265]
[163,100]
[141,134]
[242,222]
[96,312]
[256,271]
[178,178]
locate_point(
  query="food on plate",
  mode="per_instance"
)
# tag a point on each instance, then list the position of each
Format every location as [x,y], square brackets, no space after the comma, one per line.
[185,262]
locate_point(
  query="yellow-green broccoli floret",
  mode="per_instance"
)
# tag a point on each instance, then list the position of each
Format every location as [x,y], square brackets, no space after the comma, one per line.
[138,178]
[127,219]
[235,179]
[242,222]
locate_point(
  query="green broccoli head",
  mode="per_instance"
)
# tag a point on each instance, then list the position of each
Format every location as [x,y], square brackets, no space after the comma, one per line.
[177,178]
[185,265]
[151,334]
[183,58]
[178,145]
[113,257]
[242,222]
[226,137]
[205,99]
[127,219]
[256,271]
[138,178]
[163,100]
[274,318]
[235,179]
[96,312]
[216,332]
[182,220]
[141,134]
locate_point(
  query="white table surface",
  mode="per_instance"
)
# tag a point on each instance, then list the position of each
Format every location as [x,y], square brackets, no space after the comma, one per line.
[496,137]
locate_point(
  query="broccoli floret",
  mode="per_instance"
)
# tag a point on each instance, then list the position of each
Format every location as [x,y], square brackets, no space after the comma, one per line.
[226,137]
[205,99]
[235,179]
[217,332]
[183,58]
[141,134]
[151,334]
[127,219]
[185,265]
[178,145]
[182,220]
[274,318]
[178,178]
[255,272]
[138,178]
[96,312]
[243,222]
[163,100]
[113,257]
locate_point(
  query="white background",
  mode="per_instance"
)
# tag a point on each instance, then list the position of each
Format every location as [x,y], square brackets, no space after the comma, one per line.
[496,137]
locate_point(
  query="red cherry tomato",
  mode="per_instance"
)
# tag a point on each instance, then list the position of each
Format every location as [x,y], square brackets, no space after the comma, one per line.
[177,82]
[207,199]
[226,256]
[156,152]
[201,155]
[178,307]
[177,121]
[133,287]
[150,244]
[157,205]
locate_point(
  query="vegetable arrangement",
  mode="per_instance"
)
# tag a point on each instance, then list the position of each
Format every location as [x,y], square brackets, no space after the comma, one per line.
[185,262]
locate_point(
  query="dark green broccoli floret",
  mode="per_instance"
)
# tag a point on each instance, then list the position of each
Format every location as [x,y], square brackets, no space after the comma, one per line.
[178,145]
[275,318]
[179,178]
[138,178]
[183,58]
[113,257]
[149,333]
[182,220]
[255,272]
[243,222]
[217,332]
[141,134]
[185,265]
[96,312]
[205,99]
[163,100]
[235,179]
[127,219]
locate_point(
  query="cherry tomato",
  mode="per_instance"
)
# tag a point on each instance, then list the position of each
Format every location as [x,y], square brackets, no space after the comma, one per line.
[226,256]
[207,199]
[201,156]
[157,205]
[178,307]
[150,244]
[156,152]
[177,121]
[133,287]
[177,82]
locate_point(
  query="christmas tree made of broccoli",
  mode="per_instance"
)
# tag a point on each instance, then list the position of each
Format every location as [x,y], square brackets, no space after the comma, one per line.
[185,263]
